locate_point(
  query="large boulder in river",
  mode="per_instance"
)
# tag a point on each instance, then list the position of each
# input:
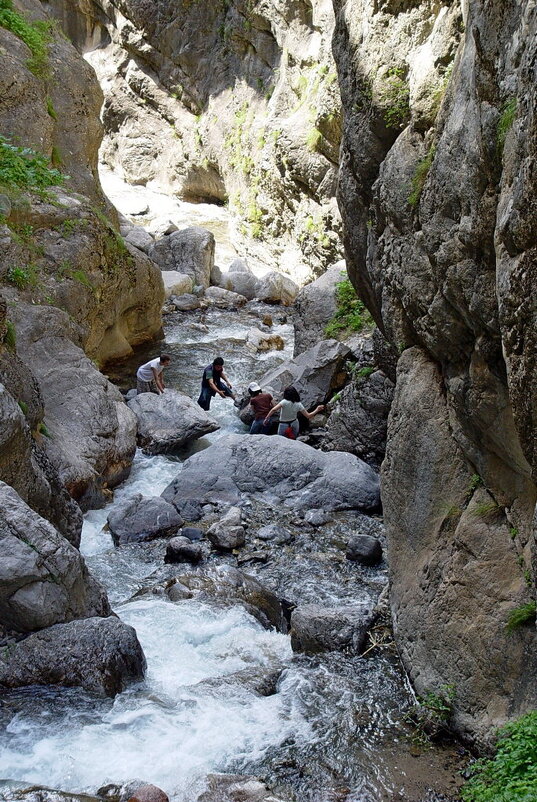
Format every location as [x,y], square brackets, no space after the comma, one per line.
[43,578]
[277,470]
[317,628]
[140,519]
[189,251]
[169,421]
[99,654]
[317,373]
[241,282]
[224,299]
[176,283]
[275,288]
[227,586]
[315,306]
[236,788]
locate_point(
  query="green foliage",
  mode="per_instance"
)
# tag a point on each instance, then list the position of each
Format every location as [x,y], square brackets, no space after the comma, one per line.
[313,139]
[420,176]
[22,277]
[511,775]
[10,337]
[25,169]
[475,482]
[525,614]
[335,398]
[56,157]
[485,509]
[82,277]
[363,373]
[395,98]
[24,407]
[513,532]
[432,713]
[51,111]
[351,314]
[506,120]
[36,35]
[42,429]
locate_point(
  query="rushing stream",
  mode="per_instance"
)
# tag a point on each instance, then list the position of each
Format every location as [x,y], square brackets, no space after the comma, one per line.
[333,727]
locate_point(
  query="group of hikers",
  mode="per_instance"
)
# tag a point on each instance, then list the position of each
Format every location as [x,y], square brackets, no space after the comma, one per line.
[149,379]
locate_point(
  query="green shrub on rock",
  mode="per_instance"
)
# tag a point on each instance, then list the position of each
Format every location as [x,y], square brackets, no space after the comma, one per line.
[351,314]
[26,169]
[36,36]
[511,775]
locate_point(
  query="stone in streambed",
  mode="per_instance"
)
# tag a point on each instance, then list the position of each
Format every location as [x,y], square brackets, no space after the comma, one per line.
[316,517]
[169,421]
[99,654]
[235,788]
[316,628]
[182,550]
[133,791]
[140,519]
[364,549]
[192,533]
[277,534]
[225,537]
[218,296]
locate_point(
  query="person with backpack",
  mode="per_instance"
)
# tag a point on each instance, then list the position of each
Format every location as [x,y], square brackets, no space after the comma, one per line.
[214,381]
[289,407]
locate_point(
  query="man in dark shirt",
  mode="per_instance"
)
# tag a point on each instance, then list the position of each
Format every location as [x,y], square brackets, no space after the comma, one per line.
[261,404]
[214,381]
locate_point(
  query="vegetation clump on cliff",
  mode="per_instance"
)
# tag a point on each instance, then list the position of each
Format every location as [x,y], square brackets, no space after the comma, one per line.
[35,35]
[511,775]
[25,169]
[351,314]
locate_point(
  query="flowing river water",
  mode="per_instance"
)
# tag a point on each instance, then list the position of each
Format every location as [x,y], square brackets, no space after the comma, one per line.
[332,728]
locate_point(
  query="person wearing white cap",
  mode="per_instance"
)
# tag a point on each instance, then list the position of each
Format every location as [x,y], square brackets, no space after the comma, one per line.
[261,404]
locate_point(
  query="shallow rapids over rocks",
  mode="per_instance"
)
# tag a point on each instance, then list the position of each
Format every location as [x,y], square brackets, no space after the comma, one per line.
[223,694]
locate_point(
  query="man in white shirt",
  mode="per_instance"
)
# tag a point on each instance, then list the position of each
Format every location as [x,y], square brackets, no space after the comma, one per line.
[149,376]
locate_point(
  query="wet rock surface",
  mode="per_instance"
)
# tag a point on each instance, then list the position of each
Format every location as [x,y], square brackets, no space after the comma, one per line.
[169,421]
[99,654]
[140,519]
[285,471]
[316,628]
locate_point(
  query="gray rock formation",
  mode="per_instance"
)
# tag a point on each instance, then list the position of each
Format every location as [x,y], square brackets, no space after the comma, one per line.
[435,191]
[189,251]
[226,585]
[218,296]
[359,418]
[276,288]
[317,628]
[230,788]
[140,519]
[276,469]
[99,654]
[364,549]
[43,578]
[317,373]
[182,550]
[225,537]
[241,282]
[169,421]
[315,306]
[268,144]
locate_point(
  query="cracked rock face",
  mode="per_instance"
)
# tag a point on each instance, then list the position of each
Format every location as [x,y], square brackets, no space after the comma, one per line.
[44,579]
[437,189]
[233,101]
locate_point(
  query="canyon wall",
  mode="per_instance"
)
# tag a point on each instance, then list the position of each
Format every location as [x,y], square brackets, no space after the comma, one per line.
[232,102]
[437,193]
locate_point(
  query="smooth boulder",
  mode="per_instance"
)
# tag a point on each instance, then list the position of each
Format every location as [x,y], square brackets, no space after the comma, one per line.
[364,549]
[99,654]
[182,550]
[189,251]
[316,628]
[277,470]
[169,421]
[140,519]
[43,578]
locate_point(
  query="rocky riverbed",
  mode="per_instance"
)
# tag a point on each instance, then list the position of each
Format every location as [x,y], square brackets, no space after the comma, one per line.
[305,714]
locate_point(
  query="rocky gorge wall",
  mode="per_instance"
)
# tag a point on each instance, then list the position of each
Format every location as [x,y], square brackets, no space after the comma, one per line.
[234,101]
[437,193]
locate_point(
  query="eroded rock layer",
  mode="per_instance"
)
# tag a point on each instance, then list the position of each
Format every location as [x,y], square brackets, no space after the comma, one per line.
[437,191]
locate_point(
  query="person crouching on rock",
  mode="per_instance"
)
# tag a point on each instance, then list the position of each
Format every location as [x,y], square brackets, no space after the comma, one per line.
[214,381]
[149,377]
[290,407]
[261,404]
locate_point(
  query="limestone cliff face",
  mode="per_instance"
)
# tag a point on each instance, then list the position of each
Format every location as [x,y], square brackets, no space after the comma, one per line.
[75,294]
[437,192]
[232,101]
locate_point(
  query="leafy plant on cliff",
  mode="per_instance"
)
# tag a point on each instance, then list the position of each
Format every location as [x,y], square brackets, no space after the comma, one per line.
[26,169]
[351,314]
[506,120]
[525,614]
[432,713]
[36,35]
[511,775]
[420,176]
[395,97]
[10,337]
